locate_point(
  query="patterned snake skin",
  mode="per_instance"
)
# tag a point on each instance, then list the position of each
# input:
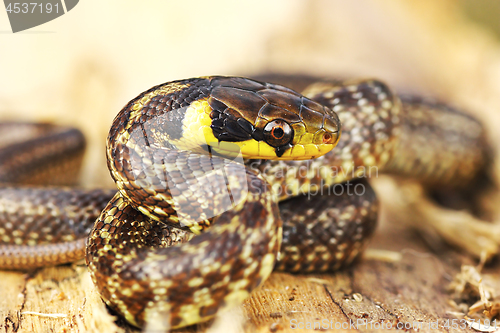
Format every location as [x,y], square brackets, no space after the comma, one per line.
[200,164]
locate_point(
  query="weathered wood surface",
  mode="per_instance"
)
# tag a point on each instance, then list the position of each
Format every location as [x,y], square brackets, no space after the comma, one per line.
[406,291]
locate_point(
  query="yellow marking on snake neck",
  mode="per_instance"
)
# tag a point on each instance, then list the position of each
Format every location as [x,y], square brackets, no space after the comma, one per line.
[196,129]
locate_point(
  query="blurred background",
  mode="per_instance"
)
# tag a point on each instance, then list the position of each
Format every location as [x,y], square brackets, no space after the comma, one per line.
[82,67]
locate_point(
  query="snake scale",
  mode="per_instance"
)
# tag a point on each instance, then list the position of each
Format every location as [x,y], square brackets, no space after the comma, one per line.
[200,165]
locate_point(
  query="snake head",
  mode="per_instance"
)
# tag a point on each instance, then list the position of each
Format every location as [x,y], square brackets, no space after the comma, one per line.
[267,121]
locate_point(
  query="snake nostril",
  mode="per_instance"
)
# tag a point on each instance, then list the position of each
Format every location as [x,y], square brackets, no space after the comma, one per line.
[327,138]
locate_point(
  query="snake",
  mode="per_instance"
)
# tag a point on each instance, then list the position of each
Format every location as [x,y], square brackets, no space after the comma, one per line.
[222,180]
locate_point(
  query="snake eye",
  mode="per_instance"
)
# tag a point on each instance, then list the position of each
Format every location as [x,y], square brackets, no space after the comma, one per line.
[278,133]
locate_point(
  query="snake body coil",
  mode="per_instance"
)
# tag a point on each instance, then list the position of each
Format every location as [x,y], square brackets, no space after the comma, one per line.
[199,164]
